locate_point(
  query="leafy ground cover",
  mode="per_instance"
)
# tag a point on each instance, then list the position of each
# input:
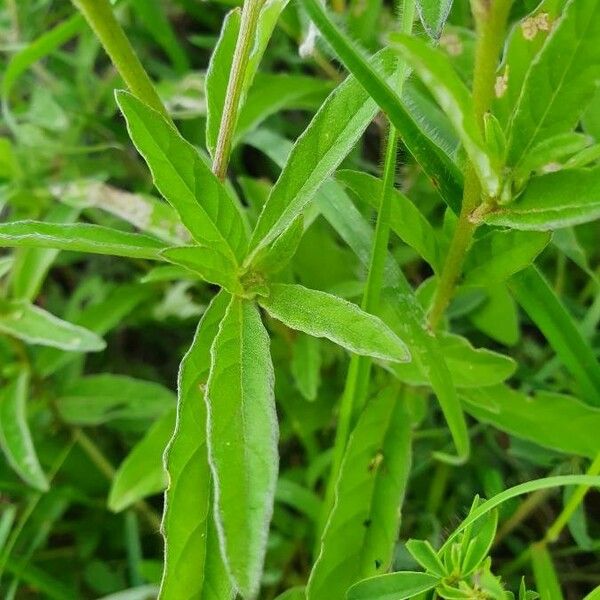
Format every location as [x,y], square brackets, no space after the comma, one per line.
[299,301]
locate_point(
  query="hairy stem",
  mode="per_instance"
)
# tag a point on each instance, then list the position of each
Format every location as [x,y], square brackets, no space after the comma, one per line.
[490,18]
[101,18]
[235,86]
[359,371]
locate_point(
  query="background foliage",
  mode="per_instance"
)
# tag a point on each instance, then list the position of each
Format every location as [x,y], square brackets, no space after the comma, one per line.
[504,382]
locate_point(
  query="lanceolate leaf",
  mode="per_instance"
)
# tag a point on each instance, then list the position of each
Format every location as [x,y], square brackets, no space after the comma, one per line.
[99,318]
[433,15]
[185,180]
[407,222]
[540,302]
[274,92]
[306,365]
[468,366]
[561,80]
[97,399]
[361,532]
[15,437]
[242,441]
[193,564]
[217,76]
[142,472]
[210,264]
[323,315]
[496,256]
[394,586]
[552,420]
[524,42]
[403,313]
[276,256]
[80,237]
[552,201]
[32,264]
[438,74]
[334,130]
[146,213]
[343,216]
[436,165]
[34,325]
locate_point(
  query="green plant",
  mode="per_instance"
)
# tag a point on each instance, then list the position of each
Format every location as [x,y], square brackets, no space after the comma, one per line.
[332,379]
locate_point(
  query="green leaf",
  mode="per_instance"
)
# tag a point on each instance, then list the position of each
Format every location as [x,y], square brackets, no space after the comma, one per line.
[551,151]
[153,14]
[423,552]
[468,366]
[443,174]
[97,399]
[15,437]
[480,544]
[193,565]
[560,82]
[594,594]
[183,178]
[554,421]
[524,42]
[242,441]
[497,317]
[496,256]
[217,76]
[274,92]
[329,137]
[406,220]
[394,586]
[209,264]
[142,473]
[34,325]
[99,317]
[79,237]
[323,315]
[546,577]
[299,498]
[544,308]
[403,312]
[361,532]
[433,15]
[437,73]
[146,213]
[552,201]
[32,264]
[306,365]
[271,259]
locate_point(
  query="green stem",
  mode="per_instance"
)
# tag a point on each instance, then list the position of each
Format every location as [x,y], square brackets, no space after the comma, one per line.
[101,18]
[235,86]
[359,370]
[491,17]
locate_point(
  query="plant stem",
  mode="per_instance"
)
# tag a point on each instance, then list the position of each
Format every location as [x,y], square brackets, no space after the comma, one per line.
[359,370]
[101,18]
[235,86]
[490,18]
